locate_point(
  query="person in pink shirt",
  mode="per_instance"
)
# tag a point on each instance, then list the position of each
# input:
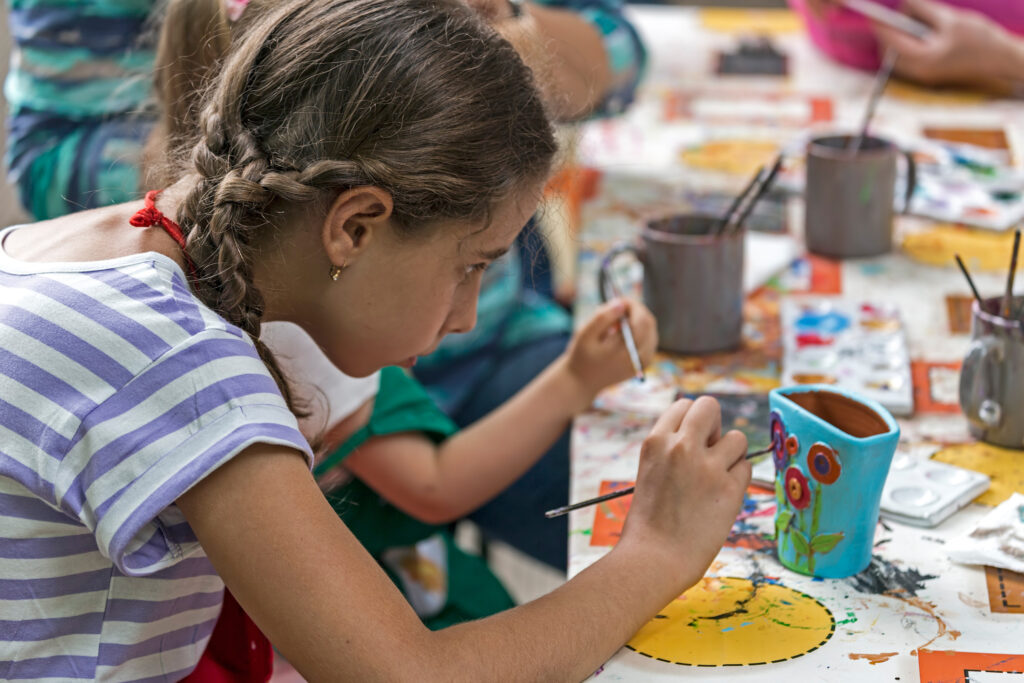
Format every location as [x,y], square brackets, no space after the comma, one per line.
[976,43]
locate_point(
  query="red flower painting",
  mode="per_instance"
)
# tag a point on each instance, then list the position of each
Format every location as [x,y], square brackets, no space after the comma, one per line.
[797,490]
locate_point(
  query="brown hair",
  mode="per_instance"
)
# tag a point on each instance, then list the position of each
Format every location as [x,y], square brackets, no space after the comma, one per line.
[418,97]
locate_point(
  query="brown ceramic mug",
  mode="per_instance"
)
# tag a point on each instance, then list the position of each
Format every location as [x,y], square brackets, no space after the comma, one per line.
[849,196]
[693,281]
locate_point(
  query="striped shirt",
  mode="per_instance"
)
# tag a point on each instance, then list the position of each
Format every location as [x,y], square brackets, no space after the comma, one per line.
[119,391]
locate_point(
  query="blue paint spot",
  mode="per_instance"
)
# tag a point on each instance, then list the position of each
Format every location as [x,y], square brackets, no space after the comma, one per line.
[746,623]
[727,629]
[831,322]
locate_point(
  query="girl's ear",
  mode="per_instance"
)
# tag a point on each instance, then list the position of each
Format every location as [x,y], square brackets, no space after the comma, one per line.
[353,220]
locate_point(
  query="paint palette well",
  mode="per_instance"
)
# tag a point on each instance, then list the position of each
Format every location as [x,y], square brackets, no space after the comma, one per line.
[924,492]
[857,346]
[967,184]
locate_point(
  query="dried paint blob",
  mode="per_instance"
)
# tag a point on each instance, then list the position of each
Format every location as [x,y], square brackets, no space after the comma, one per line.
[797,490]
[823,463]
[727,621]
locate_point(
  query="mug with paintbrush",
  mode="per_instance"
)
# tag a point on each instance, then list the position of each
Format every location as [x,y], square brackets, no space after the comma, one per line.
[992,374]
[693,281]
[850,195]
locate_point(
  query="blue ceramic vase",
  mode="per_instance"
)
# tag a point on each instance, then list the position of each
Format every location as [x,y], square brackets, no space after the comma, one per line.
[832,450]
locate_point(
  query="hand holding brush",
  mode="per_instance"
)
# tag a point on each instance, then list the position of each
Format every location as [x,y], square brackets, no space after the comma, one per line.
[705,422]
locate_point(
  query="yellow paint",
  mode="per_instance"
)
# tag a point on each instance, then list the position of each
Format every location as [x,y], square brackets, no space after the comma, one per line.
[760,21]
[1004,465]
[981,250]
[734,156]
[732,621]
[922,95]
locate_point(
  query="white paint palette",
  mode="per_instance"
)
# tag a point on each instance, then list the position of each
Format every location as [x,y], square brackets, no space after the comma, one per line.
[861,347]
[967,184]
[923,492]
[918,491]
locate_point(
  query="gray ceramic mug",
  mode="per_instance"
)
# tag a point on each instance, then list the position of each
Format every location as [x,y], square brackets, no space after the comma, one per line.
[693,281]
[849,198]
[992,376]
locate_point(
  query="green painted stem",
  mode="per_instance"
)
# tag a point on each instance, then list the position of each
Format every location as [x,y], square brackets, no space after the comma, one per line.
[816,513]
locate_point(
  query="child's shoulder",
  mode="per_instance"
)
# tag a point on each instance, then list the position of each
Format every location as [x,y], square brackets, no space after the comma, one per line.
[134,309]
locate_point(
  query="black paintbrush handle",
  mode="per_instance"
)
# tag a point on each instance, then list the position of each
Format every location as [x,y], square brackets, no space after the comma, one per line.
[1008,297]
[759,192]
[566,509]
[970,281]
[736,203]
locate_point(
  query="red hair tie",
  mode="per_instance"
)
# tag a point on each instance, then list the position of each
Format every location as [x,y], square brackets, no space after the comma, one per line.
[149,216]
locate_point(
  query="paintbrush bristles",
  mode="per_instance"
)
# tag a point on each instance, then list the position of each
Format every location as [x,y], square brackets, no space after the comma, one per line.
[1008,297]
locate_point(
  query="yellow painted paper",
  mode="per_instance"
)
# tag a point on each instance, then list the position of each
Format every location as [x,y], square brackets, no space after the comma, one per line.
[763,21]
[981,250]
[916,94]
[1004,465]
[728,621]
[733,156]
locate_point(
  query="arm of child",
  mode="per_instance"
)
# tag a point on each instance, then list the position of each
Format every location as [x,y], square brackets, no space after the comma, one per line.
[564,49]
[328,607]
[437,484]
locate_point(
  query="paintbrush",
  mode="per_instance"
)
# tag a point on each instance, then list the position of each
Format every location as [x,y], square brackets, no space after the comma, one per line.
[627,335]
[566,509]
[963,269]
[734,207]
[634,354]
[761,189]
[881,79]
[889,17]
[1008,297]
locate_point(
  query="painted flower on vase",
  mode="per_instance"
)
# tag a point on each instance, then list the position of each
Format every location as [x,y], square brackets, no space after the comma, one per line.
[778,432]
[823,463]
[797,490]
[792,445]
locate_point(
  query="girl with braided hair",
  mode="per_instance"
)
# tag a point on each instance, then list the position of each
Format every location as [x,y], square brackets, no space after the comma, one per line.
[414,471]
[359,163]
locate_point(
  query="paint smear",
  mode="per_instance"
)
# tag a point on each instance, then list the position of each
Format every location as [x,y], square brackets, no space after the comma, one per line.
[885,578]
[874,659]
[971,602]
[929,609]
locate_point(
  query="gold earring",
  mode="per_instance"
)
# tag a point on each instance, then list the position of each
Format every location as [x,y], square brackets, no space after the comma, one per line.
[335,272]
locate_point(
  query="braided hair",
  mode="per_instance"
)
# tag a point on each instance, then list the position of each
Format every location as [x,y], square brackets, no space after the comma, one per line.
[417,97]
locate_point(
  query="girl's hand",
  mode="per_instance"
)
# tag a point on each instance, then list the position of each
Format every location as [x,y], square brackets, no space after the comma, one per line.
[964,48]
[597,355]
[689,487]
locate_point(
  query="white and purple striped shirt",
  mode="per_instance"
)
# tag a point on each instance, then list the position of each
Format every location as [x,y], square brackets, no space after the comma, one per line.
[119,391]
